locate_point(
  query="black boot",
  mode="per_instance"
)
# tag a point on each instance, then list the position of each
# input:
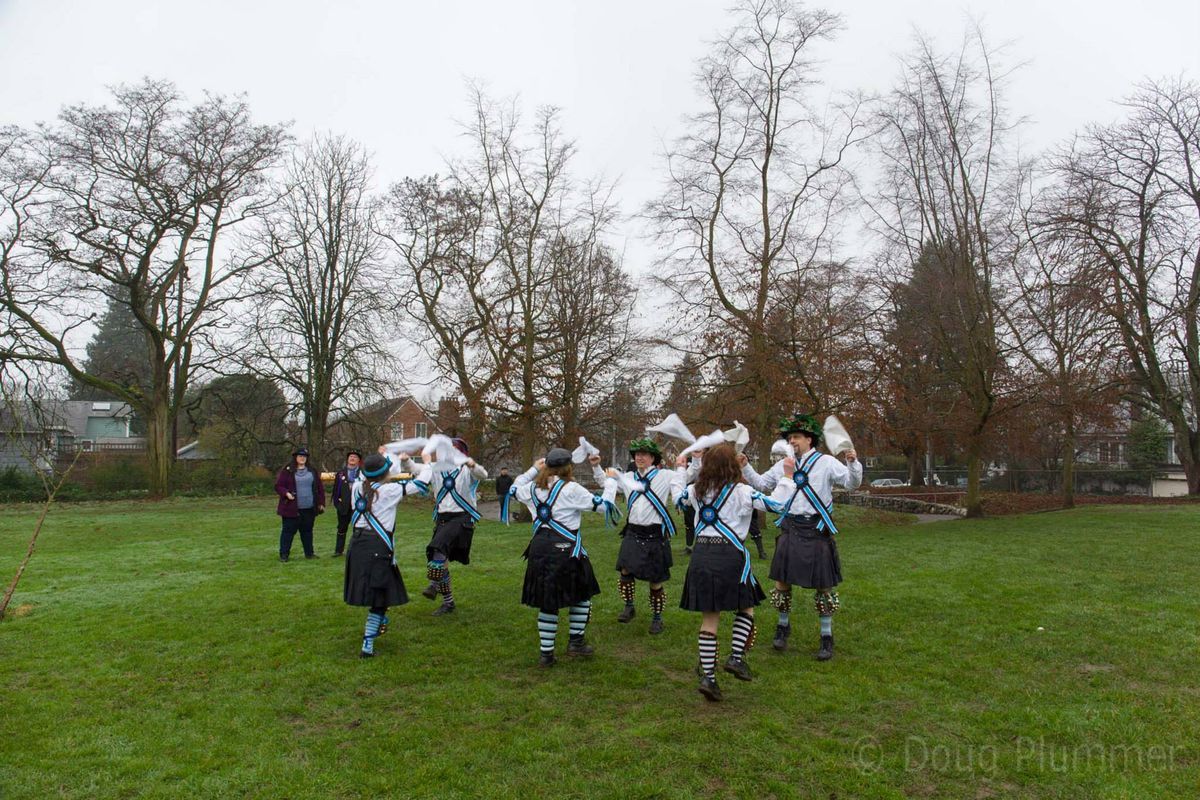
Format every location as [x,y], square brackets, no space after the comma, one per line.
[579,647]
[781,636]
[430,592]
[709,688]
[627,613]
[738,668]
[443,609]
[656,625]
[547,659]
[826,651]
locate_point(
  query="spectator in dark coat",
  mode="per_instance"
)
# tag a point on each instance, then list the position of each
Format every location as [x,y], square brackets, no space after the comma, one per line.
[504,482]
[301,498]
[343,482]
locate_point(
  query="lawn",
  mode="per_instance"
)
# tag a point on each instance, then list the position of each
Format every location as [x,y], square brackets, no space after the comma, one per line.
[163,651]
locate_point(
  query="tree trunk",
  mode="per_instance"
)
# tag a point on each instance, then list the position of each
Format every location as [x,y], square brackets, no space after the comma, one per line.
[158,446]
[1189,457]
[1068,473]
[916,470]
[974,502]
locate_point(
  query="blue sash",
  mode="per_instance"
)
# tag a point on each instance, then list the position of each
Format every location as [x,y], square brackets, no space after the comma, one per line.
[543,517]
[709,515]
[803,485]
[361,512]
[648,493]
[449,479]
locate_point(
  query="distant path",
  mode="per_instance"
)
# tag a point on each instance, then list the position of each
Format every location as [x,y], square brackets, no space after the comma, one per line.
[935,517]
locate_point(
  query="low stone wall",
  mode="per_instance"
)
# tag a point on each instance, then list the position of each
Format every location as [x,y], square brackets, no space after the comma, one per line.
[904,505]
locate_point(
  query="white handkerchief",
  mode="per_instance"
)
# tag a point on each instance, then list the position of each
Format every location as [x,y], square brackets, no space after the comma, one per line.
[673,426]
[704,442]
[580,454]
[408,446]
[836,438]
[445,455]
[738,436]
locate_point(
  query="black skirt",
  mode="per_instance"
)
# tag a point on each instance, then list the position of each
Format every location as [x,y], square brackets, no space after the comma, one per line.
[553,579]
[805,556]
[714,579]
[372,580]
[452,535]
[645,553]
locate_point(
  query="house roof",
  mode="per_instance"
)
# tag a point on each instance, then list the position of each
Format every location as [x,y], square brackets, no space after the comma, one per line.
[75,413]
[381,411]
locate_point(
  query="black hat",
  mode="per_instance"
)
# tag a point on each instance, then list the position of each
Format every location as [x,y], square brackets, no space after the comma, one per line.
[300,451]
[558,457]
[375,465]
[353,453]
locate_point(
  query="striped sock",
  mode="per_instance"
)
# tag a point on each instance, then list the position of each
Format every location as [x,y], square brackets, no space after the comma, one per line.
[708,653]
[371,630]
[826,625]
[743,629]
[547,630]
[444,588]
[580,613]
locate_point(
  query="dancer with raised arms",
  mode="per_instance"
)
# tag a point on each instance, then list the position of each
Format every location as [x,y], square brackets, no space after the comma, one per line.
[806,552]
[645,552]
[372,578]
[558,573]
[719,577]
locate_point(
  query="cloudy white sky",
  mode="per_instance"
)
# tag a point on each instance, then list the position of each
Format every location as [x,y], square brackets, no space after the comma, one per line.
[393,74]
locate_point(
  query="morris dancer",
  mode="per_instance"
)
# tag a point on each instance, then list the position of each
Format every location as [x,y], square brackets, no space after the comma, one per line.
[806,552]
[558,573]
[372,578]
[646,538]
[454,515]
[719,576]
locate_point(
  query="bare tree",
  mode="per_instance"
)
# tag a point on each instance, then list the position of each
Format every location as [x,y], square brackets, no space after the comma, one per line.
[496,256]
[1130,200]
[591,303]
[1055,317]
[753,190]
[445,254]
[139,198]
[28,424]
[322,316]
[942,206]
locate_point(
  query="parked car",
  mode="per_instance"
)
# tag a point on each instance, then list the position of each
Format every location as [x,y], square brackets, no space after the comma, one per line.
[882,482]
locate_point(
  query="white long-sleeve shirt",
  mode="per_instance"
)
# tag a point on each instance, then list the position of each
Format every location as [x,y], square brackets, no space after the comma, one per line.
[573,499]
[387,497]
[825,473]
[667,484]
[743,500]
[430,482]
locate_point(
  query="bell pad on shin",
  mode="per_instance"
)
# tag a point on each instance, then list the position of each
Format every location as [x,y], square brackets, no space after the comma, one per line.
[826,602]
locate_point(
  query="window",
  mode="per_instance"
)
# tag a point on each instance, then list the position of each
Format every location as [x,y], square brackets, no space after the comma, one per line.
[398,430]
[107,428]
[422,429]
[1172,458]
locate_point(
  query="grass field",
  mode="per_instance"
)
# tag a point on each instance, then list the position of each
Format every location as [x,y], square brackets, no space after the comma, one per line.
[163,651]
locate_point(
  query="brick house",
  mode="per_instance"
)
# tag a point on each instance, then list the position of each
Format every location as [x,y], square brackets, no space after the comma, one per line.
[385,421]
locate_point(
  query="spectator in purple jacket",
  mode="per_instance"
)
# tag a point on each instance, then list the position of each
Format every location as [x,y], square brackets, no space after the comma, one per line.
[301,498]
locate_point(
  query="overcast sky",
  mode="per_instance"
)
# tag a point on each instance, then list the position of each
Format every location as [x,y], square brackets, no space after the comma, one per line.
[393,74]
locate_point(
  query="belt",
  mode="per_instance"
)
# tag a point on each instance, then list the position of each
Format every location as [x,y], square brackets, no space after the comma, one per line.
[806,518]
[713,540]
